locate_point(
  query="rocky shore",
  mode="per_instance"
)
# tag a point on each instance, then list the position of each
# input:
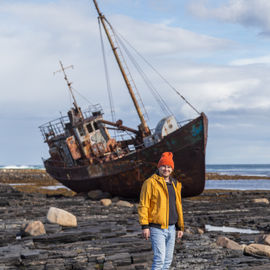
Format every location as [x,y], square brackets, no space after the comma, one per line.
[108,237]
[32,181]
[216,176]
[38,181]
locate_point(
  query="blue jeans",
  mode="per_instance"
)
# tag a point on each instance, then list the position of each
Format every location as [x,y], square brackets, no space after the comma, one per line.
[163,241]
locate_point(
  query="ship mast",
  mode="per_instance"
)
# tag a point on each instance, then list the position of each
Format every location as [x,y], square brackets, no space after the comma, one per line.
[144,128]
[69,86]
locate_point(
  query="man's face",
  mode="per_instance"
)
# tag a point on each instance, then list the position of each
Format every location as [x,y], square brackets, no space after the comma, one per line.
[165,170]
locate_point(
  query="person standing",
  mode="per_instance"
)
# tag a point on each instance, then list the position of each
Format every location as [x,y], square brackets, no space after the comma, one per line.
[160,212]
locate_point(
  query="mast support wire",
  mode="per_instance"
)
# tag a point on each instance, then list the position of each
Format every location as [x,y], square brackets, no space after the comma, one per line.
[161,76]
[125,66]
[164,107]
[107,74]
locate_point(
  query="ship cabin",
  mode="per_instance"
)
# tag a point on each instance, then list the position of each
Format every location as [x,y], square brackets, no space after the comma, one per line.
[80,138]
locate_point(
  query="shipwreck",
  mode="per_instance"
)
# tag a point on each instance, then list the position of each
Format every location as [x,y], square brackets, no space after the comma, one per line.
[85,156]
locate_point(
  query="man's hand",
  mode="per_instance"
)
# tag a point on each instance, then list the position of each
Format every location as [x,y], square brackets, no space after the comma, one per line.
[146,233]
[179,235]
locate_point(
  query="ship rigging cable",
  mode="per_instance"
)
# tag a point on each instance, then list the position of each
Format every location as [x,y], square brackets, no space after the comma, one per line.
[161,76]
[164,107]
[161,102]
[107,75]
[83,97]
[124,69]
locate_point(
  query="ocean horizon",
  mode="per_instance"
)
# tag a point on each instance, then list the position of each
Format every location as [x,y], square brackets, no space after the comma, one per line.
[228,169]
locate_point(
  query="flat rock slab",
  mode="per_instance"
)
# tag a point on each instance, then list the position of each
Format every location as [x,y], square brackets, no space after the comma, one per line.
[110,236]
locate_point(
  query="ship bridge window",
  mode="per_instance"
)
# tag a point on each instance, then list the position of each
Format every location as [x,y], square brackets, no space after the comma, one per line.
[89,128]
[81,131]
[96,126]
[131,147]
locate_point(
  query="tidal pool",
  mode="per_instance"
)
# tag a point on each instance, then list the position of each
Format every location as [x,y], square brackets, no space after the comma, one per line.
[211,228]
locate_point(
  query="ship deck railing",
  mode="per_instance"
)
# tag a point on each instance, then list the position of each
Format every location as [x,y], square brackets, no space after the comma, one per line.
[56,127]
[93,110]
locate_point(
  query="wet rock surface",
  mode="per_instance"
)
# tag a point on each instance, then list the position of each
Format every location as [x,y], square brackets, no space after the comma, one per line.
[109,237]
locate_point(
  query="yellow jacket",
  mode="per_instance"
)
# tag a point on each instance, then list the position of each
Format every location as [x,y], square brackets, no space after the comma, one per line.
[154,202]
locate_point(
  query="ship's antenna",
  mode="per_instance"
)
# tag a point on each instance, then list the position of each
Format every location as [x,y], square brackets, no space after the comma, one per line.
[144,128]
[68,82]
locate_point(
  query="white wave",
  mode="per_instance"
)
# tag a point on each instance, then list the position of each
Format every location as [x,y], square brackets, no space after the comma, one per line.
[15,167]
[21,167]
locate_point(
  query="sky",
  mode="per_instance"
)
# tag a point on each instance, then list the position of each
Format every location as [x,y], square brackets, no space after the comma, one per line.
[214,52]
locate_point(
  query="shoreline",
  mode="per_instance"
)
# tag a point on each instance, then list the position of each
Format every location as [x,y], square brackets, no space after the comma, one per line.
[109,237]
[208,175]
[39,181]
[217,176]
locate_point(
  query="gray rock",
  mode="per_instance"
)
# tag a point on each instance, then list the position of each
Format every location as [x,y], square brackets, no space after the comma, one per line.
[102,232]
[96,195]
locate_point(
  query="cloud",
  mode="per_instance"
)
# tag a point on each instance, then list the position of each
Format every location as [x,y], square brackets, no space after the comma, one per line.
[40,34]
[34,35]
[164,39]
[37,37]
[214,88]
[249,13]
[251,61]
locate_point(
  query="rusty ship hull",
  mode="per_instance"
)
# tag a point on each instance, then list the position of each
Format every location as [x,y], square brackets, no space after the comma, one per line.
[124,177]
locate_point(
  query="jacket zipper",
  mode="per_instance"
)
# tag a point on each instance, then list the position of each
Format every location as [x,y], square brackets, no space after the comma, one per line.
[167,204]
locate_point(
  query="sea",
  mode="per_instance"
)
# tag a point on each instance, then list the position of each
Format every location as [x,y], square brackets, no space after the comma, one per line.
[260,170]
[240,169]
[22,167]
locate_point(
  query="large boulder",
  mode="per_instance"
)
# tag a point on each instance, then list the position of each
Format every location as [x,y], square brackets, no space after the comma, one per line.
[124,203]
[33,228]
[106,202]
[95,194]
[98,195]
[200,231]
[261,200]
[228,243]
[61,217]
[257,250]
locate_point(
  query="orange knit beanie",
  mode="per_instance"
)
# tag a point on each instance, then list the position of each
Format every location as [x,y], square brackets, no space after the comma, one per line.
[166,159]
